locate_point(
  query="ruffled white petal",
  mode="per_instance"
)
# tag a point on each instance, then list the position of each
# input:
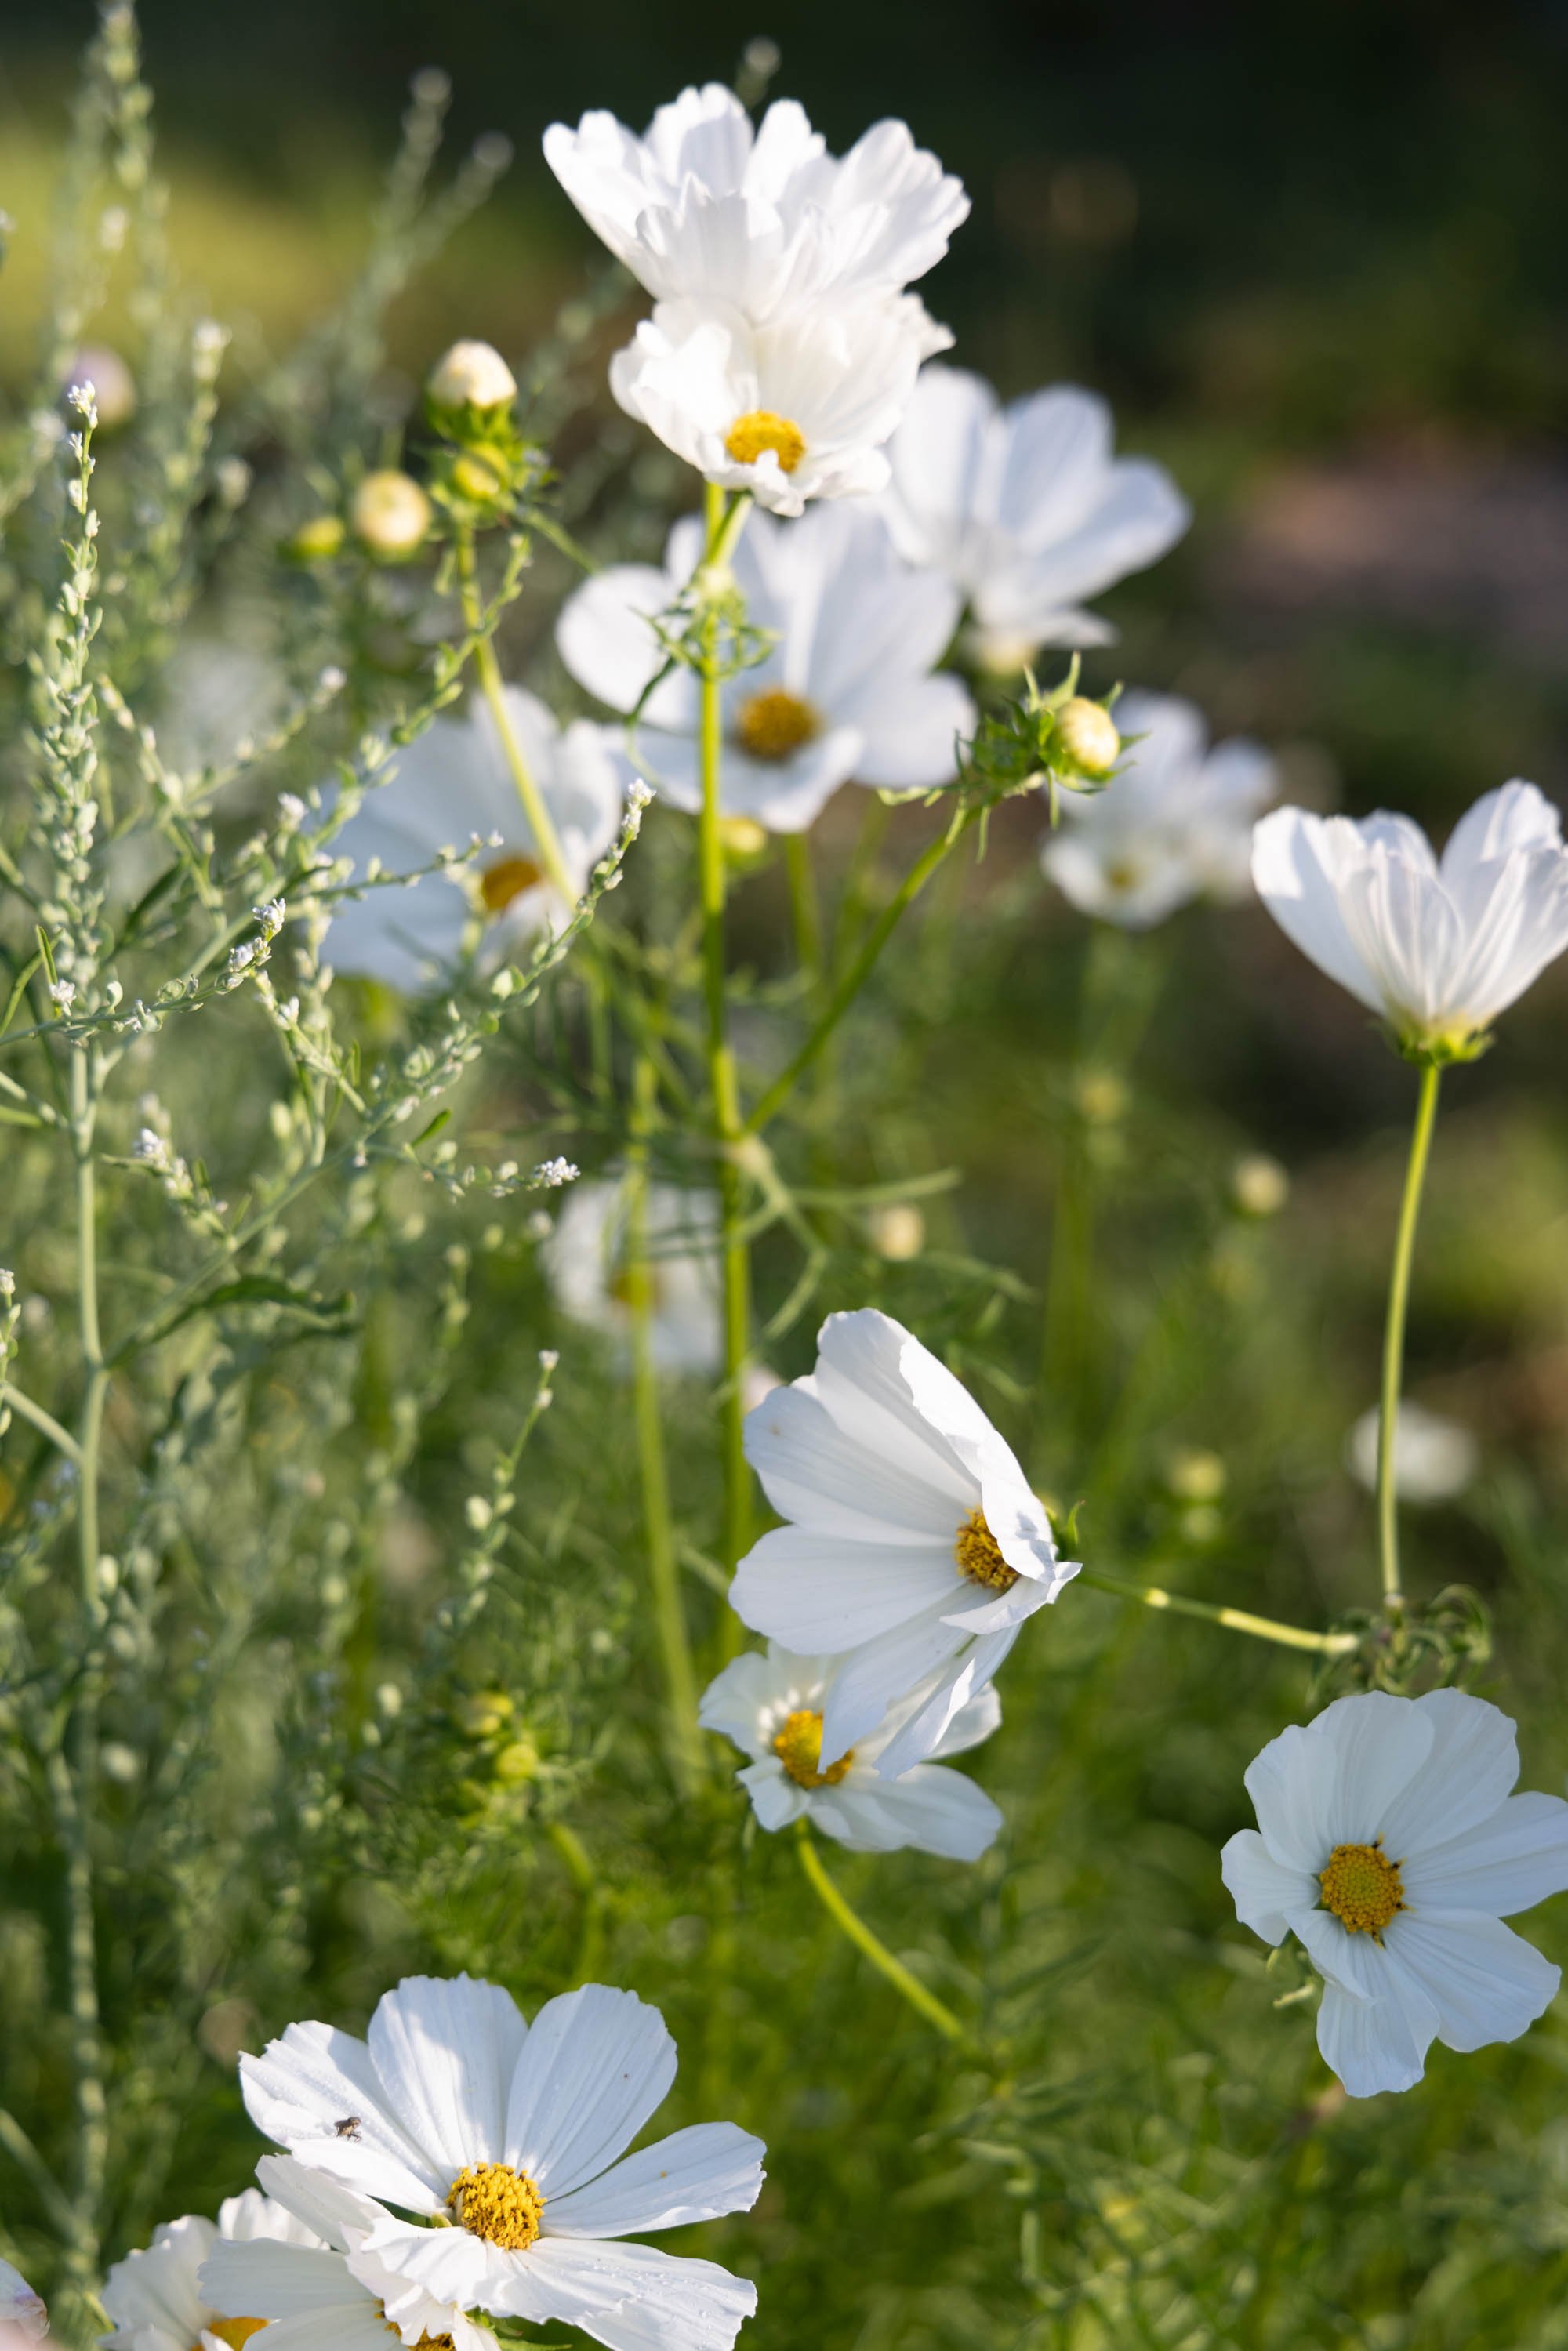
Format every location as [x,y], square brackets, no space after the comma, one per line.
[1374,2045]
[876,1674]
[1464,1780]
[636,2298]
[314,2077]
[930,1809]
[698,2174]
[596,2065]
[1265,1891]
[1485,1983]
[1511,1861]
[445,2050]
[831,1593]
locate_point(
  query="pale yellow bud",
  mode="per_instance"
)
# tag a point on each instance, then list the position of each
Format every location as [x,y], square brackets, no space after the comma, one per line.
[897,1231]
[1259,1184]
[1195,1476]
[391,514]
[742,837]
[472,372]
[1087,733]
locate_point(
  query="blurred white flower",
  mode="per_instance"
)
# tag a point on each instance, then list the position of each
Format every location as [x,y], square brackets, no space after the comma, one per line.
[915,1549]
[214,696]
[471,372]
[453,784]
[1434,1459]
[771,1707]
[155,2298]
[322,2279]
[585,1262]
[1026,509]
[505,2136]
[391,514]
[1438,948]
[763,220]
[1174,823]
[794,410]
[1389,1844]
[896,1230]
[845,692]
[22,2313]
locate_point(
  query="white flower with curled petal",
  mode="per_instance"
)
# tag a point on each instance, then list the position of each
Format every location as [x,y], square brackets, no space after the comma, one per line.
[847,690]
[915,1549]
[1175,824]
[1026,509]
[771,1707]
[1389,1843]
[793,409]
[763,219]
[451,786]
[1439,946]
[155,2298]
[511,2139]
[320,2279]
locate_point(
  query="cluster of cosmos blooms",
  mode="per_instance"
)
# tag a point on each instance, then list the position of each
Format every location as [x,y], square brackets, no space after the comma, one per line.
[461,2165]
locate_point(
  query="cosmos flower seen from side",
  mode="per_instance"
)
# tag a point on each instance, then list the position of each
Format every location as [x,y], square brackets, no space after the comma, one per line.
[1389,1843]
[846,691]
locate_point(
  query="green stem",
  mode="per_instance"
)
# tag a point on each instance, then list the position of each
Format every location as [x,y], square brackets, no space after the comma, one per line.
[488,670]
[859,971]
[45,1422]
[723,1083]
[686,1745]
[1238,1620]
[803,907]
[924,2003]
[1394,1341]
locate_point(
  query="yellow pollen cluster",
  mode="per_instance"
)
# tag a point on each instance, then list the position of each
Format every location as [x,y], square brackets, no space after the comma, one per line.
[235,2332]
[506,880]
[758,429]
[979,1555]
[799,1747]
[771,725]
[492,2202]
[1361,1886]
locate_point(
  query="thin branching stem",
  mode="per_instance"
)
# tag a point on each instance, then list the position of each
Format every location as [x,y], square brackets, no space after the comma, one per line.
[1237,1620]
[924,2004]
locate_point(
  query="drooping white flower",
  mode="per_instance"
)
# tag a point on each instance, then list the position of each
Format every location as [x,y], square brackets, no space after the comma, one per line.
[1175,824]
[914,1548]
[1026,509]
[585,1261]
[1434,1459]
[320,2279]
[764,220]
[846,691]
[23,2317]
[1389,1844]
[155,2298]
[1440,948]
[510,2139]
[794,410]
[771,1707]
[452,785]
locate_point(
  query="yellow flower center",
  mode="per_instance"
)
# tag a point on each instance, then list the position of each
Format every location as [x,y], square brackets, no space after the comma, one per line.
[979,1555]
[771,725]
[799,1747]
[1361,1887]
[235,2332]
[492,2202]
[506,880]
[758,429]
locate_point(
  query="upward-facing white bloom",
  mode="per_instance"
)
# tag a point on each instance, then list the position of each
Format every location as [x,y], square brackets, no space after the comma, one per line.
[846,690]
[155,2296]
[763,220]
[332,2293]
[451,786]
[771,1706]
[1175,824]
[794,409]
[1440,948]
[507,2141]
[1389,1844]
[585,1261]
[914,1548]
[1026,508]
[23,2316]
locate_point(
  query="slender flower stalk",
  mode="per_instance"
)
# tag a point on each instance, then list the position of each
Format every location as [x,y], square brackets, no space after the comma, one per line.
[924,2004]
[1237,1620]
[491,684]
[1394,1340]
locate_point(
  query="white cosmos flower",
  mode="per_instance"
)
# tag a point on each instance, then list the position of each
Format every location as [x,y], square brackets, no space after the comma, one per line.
[794,410]
[155,2297]
[914,1548]
[846,691]
[1440,948]
[511,2139]
[764,220]
[23,2316]
[453,784]
[1389,1844]
[1434,1459]
[771,1706]
[585,1262]
[1175,824]
[321,2280]
[1026,508]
